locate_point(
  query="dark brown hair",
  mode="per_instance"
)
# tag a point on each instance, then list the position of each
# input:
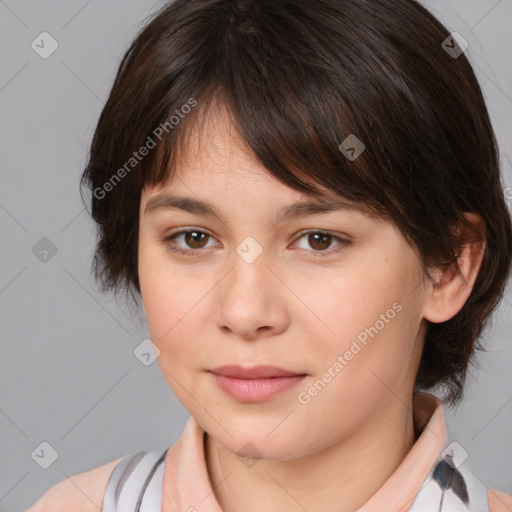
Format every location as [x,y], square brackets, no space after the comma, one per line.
[297,78]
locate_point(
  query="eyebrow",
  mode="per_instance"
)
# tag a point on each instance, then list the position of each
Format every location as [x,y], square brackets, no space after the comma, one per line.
[297,210]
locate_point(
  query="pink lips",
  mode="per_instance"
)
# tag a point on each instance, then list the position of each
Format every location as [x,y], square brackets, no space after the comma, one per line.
[255,384]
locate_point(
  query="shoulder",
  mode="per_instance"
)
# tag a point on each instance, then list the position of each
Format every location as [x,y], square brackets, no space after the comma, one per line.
[499,501]
[80,493]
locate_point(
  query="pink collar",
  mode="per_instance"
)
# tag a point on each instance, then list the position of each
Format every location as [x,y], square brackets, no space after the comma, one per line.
[187,485]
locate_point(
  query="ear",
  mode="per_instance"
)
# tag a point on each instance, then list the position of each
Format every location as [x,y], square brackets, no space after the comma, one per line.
[450,290]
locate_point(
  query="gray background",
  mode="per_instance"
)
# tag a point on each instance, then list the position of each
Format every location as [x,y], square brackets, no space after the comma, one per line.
[68,374]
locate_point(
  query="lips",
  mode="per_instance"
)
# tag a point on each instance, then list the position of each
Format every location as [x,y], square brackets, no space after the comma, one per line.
[255,372]
[255,384]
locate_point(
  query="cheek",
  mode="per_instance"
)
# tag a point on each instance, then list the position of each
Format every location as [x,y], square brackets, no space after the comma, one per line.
[369,316]
[174,304]
[342,305]
[165,294]
[171,330]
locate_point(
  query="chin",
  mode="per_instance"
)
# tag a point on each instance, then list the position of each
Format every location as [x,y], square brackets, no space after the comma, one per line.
[258,439]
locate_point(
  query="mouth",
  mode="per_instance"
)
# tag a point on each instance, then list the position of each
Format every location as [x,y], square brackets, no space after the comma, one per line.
[255,384]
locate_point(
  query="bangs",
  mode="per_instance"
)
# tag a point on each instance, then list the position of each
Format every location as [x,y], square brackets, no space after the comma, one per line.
[291,105]
[314,174]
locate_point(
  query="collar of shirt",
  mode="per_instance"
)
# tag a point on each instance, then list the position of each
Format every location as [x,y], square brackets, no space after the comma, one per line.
[187,486]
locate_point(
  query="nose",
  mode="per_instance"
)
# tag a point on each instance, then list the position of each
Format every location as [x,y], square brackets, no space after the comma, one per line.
[252,299]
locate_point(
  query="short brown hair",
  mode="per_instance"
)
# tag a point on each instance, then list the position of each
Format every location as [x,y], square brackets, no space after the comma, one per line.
[298,78]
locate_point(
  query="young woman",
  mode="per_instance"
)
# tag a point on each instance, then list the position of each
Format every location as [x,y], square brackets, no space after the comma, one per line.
[307,198]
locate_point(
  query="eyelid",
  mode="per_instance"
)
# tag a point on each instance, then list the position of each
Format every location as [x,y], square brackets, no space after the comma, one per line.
[342,240]
[168,238]
[187,230]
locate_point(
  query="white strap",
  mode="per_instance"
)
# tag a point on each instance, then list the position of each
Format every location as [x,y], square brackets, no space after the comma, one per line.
[135,485]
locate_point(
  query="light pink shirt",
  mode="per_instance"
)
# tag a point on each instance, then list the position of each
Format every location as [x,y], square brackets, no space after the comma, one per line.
[187,487]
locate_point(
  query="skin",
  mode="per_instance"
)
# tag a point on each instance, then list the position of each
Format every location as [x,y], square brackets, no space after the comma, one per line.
[292,310]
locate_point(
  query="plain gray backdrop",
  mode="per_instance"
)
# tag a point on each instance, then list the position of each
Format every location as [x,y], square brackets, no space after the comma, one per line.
[68,373]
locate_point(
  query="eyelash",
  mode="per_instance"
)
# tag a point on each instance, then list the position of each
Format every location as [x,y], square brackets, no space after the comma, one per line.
[316,254]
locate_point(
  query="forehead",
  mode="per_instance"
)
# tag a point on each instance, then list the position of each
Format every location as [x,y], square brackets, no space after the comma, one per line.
[213,138]
[214,164]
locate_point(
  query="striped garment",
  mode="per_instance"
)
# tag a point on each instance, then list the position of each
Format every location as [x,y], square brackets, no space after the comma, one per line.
[136,483]
[434,476]
[136,486]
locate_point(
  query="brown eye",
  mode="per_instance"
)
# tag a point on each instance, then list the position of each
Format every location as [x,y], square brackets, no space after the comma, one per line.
[195,239]
[319,241]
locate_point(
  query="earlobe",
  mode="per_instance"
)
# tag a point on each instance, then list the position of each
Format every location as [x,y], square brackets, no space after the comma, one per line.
[451,289]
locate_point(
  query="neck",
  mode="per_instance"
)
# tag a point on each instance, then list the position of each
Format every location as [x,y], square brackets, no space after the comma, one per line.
[340,478]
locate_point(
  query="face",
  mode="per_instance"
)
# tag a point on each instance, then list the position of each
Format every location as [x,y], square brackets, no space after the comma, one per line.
[335,298]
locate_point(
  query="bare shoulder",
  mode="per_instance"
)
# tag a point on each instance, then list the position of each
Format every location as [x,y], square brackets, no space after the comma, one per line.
[81,493]
[499,501]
